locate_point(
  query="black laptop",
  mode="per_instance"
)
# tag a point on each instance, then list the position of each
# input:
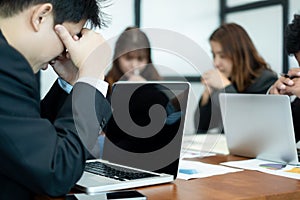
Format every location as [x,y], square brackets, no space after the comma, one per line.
[143,137]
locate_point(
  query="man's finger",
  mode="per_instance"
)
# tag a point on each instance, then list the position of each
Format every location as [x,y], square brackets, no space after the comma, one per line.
[281,86]
[85,31]
[64,35]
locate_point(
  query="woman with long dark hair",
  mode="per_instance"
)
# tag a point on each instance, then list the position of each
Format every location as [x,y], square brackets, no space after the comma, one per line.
[132,58]
[238,69]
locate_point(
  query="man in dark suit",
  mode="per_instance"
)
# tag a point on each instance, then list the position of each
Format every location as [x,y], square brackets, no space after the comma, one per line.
[43,148]
[290,83]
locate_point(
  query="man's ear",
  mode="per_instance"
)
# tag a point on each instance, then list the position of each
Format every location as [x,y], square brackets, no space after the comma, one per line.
[39,15]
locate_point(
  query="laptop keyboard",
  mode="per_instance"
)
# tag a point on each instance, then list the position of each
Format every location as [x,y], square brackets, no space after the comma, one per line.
[115,172]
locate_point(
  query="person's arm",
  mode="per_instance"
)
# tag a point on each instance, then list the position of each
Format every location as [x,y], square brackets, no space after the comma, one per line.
[202,116]
[205,97]
[263,83]
[58,93]
[53,101]
[32,147]
[208,107]
[293,88]
[210,114]
[35,149]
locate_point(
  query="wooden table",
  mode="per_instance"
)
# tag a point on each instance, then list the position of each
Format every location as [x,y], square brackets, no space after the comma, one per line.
[239,185]
[244,185]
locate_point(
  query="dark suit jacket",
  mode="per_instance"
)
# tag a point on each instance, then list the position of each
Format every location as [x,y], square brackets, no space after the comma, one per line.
[295,105]
[41,151]
[210,114]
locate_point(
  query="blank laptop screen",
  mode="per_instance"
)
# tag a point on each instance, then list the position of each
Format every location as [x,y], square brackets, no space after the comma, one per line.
[146,128]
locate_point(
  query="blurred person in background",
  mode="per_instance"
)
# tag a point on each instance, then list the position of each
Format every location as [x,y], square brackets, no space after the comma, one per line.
[290,84]
[132,59]
[238,69]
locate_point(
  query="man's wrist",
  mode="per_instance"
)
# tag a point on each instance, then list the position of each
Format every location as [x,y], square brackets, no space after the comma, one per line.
[65,85]
[99,84]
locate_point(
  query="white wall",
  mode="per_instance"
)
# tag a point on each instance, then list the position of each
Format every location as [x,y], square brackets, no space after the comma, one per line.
[264,27]
[294,9]
[194,20]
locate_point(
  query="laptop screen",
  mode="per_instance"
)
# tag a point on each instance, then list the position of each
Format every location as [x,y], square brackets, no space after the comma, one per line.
[146,128]
[259,126]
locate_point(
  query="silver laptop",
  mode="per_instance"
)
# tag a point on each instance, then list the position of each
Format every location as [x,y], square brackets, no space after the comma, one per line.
[259,126]
[143,137]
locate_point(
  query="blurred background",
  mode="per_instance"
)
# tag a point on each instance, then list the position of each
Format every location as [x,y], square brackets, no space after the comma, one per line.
[264,20]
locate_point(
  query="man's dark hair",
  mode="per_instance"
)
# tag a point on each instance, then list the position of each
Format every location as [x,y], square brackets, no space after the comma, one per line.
[64,10]
[292,36]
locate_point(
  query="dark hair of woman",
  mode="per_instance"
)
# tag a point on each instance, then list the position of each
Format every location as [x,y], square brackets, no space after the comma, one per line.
[132,41]
[238,47]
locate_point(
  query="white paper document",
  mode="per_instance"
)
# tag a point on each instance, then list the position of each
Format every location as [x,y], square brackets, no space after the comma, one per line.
[187,153]
[194,169]
[269,167]
[210,142]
